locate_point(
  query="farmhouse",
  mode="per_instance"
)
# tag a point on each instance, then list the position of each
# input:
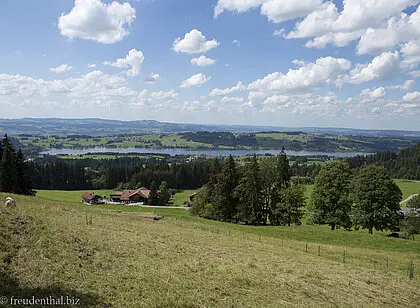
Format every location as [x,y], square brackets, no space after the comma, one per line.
[91,198]
[131,196]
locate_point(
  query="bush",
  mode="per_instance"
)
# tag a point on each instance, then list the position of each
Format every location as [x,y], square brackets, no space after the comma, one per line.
[414,202]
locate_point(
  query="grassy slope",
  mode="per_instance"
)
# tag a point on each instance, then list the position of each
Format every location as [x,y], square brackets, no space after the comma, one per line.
[125,260]
[409,188]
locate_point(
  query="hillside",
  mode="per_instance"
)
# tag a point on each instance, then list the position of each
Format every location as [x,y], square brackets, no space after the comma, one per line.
[103,127]
[128,260]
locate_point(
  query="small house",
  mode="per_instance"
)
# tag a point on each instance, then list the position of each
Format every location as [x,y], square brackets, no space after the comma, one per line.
[131,196]
[91,198]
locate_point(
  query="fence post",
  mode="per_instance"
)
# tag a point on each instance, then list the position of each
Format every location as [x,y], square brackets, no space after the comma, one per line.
[344,256]
[319,250]
[387,264]
[411,270]
[306,247]
[260,238]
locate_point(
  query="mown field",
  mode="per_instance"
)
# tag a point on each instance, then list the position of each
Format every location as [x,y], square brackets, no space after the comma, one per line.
[125,259]
[407,188]
[74,196]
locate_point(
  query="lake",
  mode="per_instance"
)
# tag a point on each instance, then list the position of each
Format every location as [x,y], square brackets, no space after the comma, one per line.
[182,151]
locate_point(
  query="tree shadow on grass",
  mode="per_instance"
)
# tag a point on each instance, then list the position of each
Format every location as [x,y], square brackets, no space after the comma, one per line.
[10,287]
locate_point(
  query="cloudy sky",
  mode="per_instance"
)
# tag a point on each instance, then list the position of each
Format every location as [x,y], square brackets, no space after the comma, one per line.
[340,63]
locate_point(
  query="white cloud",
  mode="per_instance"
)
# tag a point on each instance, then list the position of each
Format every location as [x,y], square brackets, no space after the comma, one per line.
[97,21]
[412,97]
[279,11]
[219,92]
[61,69]
[163,95]
[411,53]
[404,86]
[94,88]
[402,28]
[375,93]
[194,42]
[239,6]
[236,42]
[227,99]
[324,71]
[415,74]
[275,10]
[152,78]
[195,81]
[329,26]
[202,61]
[383,67]
[133,61]
[280,33]
[91,65]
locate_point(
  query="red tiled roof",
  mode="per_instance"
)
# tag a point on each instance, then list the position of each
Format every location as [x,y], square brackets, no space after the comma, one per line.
[88,196]
[127,194]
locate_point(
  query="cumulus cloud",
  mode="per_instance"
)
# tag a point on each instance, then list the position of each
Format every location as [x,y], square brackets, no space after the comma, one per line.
[412,97]
[97,21]
[236,42]
[227,99]
[312,75]
[94,88]
[404,86]
[276,11]
[279,11]
[152,78]
[194,42]
[202,61]
[358,19]
[402,28]
[195,81]
[219,92]
[133,61]
[91,65]
[375,93]
[61,69]
[383,67]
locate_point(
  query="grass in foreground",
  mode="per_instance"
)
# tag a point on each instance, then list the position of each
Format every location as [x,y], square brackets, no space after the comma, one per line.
[126,260]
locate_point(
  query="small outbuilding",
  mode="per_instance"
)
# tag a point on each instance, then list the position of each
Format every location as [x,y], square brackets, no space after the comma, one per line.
[91,198]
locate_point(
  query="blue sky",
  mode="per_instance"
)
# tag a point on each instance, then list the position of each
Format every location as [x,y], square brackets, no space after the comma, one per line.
[262,62]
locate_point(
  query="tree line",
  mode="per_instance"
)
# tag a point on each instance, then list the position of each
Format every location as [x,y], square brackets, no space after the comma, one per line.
[14,176]
[256,193]
[404,165]
[262,192]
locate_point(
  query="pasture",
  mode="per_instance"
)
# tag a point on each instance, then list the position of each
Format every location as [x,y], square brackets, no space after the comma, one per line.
[124,259]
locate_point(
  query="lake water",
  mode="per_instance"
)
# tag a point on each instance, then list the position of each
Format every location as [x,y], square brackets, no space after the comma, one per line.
[180,151]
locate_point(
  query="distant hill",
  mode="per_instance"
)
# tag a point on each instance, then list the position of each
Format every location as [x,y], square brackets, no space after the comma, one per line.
[402,165]
[102,127]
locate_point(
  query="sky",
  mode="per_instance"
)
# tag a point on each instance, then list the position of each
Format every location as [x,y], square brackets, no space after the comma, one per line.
[341,63]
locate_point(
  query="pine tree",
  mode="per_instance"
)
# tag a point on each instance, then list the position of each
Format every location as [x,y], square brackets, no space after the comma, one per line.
[249,192]
[164,193]
[223,197]
[23,182]
[8,170]
[288,210]
[153,195]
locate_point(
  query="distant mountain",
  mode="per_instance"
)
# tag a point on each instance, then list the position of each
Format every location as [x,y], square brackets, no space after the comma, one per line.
[102,127]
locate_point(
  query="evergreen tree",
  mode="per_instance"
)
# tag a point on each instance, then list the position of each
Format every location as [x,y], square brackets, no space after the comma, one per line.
[281,182]
[330,197]
[223,197]
[8,169]
[164,193]
[249,192]
[24,185]
[377,199]
[288,210]
[153,195]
